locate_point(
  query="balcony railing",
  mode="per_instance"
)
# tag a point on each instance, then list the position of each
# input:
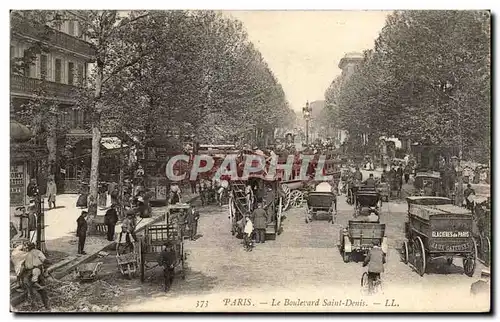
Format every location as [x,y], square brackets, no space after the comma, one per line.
[51,36]
[33,86]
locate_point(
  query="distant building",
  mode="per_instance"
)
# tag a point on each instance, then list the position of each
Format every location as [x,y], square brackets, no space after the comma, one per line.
[348,65]
[349,62]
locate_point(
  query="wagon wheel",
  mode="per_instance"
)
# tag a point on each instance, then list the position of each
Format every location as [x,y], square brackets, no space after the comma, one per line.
[419,258]
[183,262]
[289,201]
[469,262]
[488,250]
[297,198]
[405,252]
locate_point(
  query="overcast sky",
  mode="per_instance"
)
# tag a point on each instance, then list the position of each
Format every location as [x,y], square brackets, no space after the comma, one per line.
[303,48]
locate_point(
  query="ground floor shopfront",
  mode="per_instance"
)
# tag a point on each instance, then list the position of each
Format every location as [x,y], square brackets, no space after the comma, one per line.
[75,161]
[27,161]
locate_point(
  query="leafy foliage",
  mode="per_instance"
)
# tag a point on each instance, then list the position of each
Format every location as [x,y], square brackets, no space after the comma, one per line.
[427,77]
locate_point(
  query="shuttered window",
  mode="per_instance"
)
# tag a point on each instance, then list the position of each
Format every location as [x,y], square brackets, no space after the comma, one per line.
[71,28]
[27,66]
[43,66]
[81,77]
[58,71]
[71,73]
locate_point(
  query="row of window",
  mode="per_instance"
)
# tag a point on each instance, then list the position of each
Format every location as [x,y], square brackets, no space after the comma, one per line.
[75,72]
[74,119]
[70,27]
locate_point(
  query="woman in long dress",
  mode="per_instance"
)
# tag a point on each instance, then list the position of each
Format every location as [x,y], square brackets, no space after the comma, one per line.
[51,193]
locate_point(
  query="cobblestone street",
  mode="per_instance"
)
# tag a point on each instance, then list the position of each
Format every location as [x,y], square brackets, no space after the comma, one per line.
[304,260]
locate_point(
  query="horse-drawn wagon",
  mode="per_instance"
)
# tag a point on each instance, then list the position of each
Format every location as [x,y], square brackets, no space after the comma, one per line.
[438,229]
[359,236]
[322,200]
[367,201]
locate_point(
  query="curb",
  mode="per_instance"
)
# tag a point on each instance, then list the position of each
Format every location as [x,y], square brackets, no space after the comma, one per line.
[16,300]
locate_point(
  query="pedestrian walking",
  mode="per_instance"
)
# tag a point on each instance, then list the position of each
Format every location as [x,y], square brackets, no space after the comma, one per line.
[167,259]
[81,232]
[110,220]
[407,172]
[51,193]
[203,189]
[192,220]
[260,218]
[399,175]
[193,183]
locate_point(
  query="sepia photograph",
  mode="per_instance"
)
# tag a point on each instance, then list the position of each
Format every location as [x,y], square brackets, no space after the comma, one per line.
[250,161]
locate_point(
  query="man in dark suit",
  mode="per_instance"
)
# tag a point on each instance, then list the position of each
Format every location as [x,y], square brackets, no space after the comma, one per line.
[81,232]
[260,222]
[167,259]
[110,220]
[192,221]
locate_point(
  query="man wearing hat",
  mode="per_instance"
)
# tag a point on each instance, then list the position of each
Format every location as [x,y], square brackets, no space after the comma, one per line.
[192,220]
[81,232]
[260,219]
[110,220]
[167,259]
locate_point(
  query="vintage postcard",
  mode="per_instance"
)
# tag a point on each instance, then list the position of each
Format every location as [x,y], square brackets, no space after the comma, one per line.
[250,161]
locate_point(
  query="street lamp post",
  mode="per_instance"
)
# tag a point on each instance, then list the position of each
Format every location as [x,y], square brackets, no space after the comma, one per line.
[306,110]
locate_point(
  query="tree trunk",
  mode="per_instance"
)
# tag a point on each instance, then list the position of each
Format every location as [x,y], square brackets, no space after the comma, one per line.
[94,168]
[96,141]
[52,144]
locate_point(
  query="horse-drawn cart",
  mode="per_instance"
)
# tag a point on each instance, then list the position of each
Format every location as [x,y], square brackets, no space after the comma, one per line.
[438,229]
[367,201]
[322,200]
[359,236]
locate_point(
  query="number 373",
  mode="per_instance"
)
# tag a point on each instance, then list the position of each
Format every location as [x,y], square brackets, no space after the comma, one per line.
[201,304]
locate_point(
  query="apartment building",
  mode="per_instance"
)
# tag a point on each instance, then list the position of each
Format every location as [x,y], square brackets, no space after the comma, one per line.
[59,68]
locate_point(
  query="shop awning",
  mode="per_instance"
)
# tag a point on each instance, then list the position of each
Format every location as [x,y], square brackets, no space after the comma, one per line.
[19,132]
